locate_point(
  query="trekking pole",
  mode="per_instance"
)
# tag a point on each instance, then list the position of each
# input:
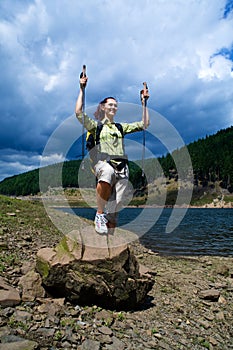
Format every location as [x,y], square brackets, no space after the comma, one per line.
[143,95]
[83,74]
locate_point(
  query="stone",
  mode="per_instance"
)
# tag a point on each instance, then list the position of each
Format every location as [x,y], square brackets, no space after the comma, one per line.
[31,285]
[223,270]
[89,344]
[50,307]
[116,344]
[204,324]
[213,341]
[22,316]
[44,332]
[209,294]
[145,271]
[4,331]
[105,317]
[9,296]
[20,345]
[88,276]
[26,267]
[104,338]
[220,316]
[3,245]
[105,330]
[162,345]
[222,300]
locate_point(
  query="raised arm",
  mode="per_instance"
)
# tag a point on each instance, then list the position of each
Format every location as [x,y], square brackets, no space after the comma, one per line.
[79,102]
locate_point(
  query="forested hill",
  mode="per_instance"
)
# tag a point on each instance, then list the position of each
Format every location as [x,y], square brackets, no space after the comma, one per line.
[212,157]
[212,160]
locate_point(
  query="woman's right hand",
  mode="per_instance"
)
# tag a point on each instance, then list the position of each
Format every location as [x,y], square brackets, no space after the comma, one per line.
[83,82]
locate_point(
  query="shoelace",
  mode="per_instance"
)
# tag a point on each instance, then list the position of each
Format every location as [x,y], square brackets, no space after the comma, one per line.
[103,220]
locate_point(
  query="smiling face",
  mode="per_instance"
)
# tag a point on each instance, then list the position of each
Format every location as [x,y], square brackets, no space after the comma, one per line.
[110,108]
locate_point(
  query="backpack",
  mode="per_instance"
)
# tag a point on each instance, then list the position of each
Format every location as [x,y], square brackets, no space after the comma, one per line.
[92,141]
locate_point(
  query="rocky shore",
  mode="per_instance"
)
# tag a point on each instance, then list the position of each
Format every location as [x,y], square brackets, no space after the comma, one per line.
[189,307]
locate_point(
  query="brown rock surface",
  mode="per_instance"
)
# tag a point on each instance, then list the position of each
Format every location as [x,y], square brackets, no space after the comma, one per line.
[31,285]
[93,276]
[9,296]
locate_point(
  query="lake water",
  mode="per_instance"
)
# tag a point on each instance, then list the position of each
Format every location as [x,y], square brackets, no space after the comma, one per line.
[201,232]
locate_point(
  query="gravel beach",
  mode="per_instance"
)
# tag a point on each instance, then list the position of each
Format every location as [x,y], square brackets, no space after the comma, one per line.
[189,307]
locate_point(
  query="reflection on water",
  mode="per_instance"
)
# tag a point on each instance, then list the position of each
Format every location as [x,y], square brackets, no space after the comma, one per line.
[201,232]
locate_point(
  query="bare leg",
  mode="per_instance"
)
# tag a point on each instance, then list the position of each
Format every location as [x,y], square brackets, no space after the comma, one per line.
[103,193]
[115,202]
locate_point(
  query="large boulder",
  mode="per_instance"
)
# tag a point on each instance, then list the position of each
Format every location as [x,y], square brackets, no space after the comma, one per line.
[84,275]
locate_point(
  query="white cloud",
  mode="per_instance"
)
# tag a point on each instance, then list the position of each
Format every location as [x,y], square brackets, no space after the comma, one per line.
[15,162]
[219,68]
[52,158]
[176,46]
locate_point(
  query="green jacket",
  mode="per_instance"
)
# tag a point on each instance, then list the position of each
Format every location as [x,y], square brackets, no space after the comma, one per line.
[111,141]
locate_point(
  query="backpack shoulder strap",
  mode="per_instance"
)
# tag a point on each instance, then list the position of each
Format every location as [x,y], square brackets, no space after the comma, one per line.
[120,128]
[97,134]
[99,129]
[90,141]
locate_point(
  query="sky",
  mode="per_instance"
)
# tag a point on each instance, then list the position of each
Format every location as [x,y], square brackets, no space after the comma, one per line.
[183,49]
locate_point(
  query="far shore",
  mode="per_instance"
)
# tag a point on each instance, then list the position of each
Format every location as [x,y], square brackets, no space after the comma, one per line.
[61,203]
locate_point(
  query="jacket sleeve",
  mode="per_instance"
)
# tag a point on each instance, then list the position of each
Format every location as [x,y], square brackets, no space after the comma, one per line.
[132,127]
[89,123]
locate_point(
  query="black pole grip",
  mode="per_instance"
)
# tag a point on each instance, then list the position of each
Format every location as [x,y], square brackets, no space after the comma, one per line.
[83,73]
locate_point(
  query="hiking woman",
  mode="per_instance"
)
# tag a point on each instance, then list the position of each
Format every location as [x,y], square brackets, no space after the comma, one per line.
[111,169]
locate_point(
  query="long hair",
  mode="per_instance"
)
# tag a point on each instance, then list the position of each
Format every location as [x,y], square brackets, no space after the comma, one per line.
[99,113]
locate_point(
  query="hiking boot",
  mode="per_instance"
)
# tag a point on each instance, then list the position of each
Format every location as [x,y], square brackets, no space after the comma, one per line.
[101,223]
